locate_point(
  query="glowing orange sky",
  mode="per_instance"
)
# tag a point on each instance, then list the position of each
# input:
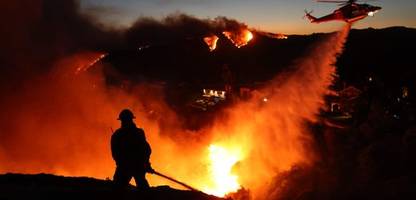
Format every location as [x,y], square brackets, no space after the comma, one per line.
[275,16]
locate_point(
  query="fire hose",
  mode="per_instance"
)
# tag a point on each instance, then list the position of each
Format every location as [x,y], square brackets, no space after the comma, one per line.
[175,181]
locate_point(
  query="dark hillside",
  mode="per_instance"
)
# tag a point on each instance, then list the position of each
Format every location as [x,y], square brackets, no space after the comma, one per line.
[45,186]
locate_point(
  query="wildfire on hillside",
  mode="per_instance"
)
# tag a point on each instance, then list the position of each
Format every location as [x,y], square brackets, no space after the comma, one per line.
[97,57]
[211,41]
[239,38]
[245,149]
[279,36]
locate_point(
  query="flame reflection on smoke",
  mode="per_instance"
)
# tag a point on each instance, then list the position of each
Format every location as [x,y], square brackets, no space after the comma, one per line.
[273,134]
[252,142]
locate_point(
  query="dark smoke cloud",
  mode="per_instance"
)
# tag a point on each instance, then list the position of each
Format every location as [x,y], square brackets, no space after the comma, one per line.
[36,33]
[41,41]
[73,120]
[178,27]
[100,10]
[60,120]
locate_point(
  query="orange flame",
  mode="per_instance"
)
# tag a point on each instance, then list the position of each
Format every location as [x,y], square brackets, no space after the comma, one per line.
[239,39]
[211,41]
[247,146]
[221,161]
[281,36]
[272,133]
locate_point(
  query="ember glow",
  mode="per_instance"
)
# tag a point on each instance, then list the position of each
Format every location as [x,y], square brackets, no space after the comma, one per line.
[239,38]
[211,41]
[85,67]
[279,36]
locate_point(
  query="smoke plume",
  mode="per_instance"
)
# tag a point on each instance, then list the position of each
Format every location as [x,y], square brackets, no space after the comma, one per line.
[57,121]
[61,120]
[178,27]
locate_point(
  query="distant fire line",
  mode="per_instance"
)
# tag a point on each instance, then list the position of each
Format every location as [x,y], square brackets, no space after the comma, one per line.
[84,68]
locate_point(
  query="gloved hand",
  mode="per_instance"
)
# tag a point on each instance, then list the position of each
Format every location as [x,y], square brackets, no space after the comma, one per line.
[148,168]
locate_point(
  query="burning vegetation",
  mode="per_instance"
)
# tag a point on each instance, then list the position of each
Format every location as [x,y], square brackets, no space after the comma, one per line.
[232,154]
[61,122]
[211,41]
[73,117]
[239,38]
[279,36]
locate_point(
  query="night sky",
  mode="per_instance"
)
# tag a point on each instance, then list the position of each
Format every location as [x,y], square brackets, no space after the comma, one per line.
[283,16]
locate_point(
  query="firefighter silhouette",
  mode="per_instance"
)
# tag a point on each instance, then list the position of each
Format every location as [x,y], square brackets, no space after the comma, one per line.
[131,152]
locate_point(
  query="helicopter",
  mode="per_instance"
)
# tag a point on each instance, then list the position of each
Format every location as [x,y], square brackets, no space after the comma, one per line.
[350,12]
